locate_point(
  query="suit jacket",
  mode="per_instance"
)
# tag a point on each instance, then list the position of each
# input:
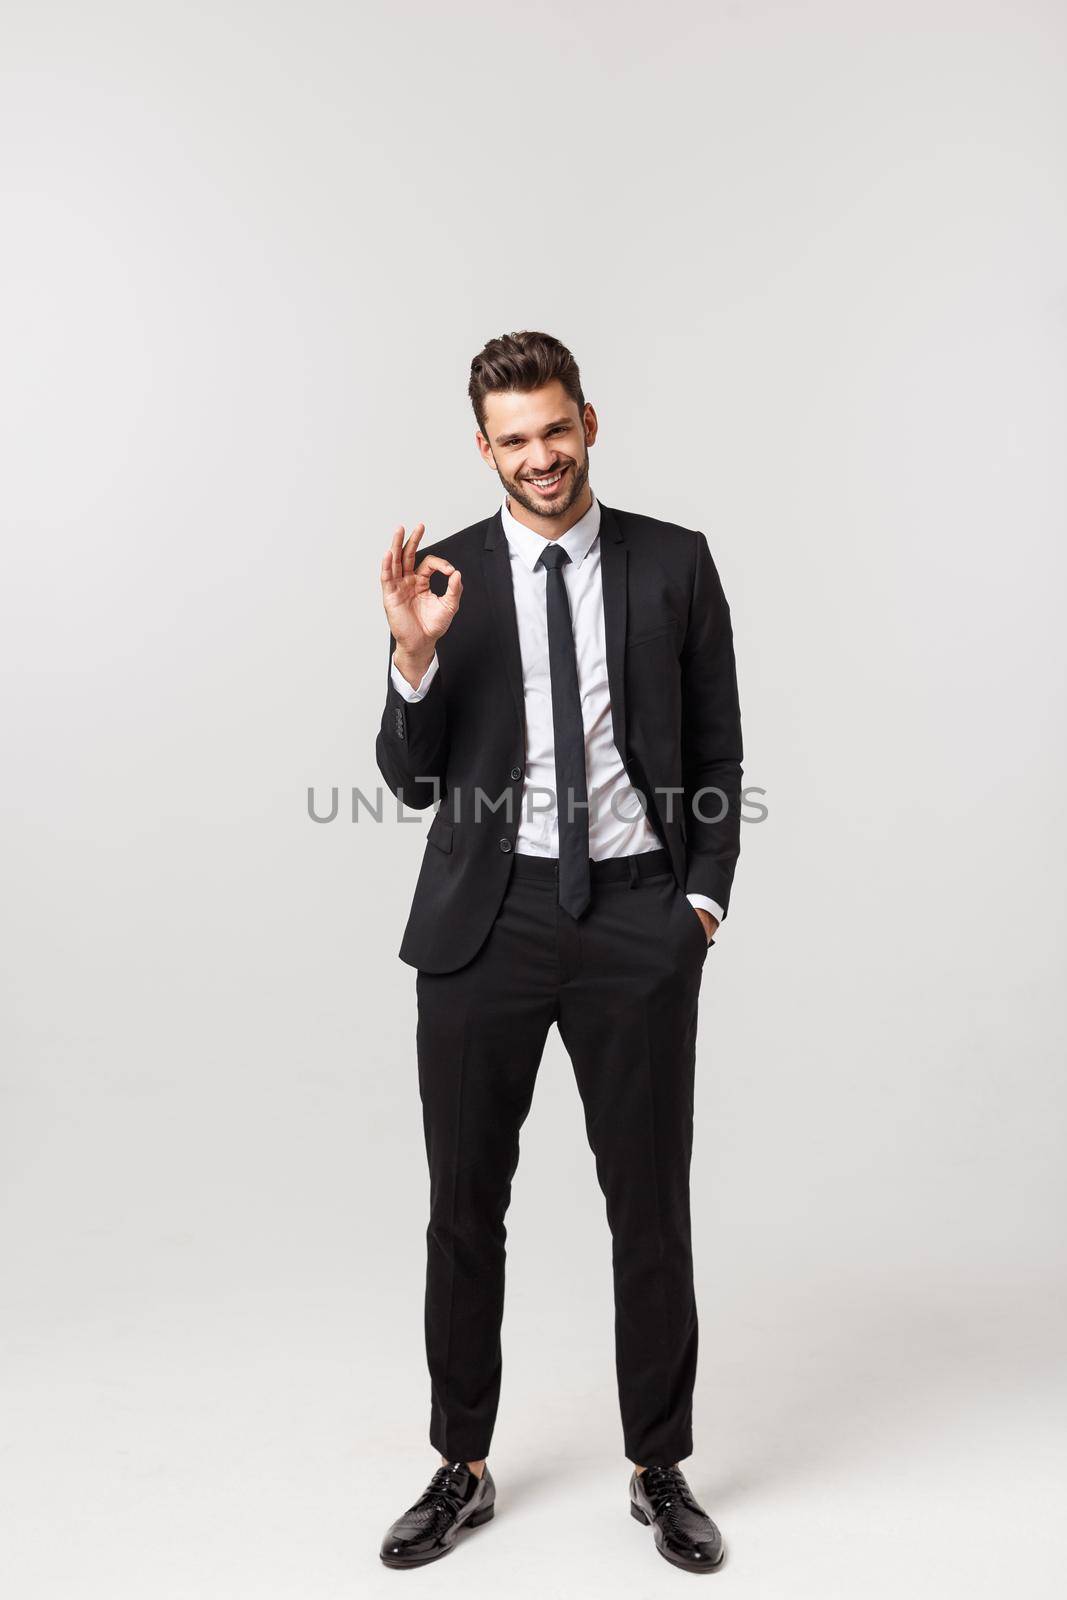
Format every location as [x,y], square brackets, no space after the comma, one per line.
[674,710]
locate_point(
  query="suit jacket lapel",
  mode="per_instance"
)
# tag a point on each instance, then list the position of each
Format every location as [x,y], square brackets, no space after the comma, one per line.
[496,566]
[613,577]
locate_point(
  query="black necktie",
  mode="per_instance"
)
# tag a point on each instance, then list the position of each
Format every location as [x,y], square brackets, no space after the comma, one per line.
[569,737]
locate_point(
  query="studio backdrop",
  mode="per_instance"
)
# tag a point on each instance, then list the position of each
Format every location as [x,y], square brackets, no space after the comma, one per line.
[810,259]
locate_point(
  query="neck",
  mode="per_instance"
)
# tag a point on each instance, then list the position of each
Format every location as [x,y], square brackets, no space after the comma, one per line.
[552,527]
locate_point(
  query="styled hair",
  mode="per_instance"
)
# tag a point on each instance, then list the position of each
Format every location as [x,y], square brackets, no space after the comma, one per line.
[523,361]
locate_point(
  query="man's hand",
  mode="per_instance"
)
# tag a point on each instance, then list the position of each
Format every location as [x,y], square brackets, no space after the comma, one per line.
[710,922]
[417,616]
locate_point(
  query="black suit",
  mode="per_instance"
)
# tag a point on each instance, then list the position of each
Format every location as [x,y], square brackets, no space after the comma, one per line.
[674,710]
[499,960]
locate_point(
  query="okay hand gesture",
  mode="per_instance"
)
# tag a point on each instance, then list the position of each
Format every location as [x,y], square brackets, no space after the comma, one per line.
[417,616]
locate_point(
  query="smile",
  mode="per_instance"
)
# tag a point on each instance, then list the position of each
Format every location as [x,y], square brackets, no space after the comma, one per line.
[546,485]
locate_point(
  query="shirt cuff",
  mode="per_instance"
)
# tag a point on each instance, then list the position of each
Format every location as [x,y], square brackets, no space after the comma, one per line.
[403,687]
[707,904]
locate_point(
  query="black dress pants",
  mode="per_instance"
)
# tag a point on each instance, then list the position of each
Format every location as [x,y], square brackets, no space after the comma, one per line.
[622,984]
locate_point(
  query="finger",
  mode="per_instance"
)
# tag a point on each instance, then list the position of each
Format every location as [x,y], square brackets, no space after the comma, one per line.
[412,545]
[452,594]
[395,549]
[390,575]
[432,563]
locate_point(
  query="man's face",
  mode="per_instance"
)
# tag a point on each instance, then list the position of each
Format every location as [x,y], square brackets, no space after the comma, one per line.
[539,445]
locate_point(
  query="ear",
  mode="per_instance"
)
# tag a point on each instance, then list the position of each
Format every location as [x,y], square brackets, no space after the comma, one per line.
[589,419]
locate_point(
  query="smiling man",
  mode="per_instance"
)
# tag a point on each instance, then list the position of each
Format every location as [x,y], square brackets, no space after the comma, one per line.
[561,677]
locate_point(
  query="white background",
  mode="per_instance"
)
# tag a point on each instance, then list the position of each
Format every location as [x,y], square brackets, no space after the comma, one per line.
[810,259]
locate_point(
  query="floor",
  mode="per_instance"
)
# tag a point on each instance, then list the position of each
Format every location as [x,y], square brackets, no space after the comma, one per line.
[856,1439]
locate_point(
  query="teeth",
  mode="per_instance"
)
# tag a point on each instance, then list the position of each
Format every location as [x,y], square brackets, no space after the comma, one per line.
[543,483]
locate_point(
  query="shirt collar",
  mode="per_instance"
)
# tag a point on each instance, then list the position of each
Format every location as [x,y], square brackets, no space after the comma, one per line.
[528,545]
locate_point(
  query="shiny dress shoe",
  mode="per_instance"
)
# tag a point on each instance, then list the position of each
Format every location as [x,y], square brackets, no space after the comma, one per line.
[684,1533]
[454,1499]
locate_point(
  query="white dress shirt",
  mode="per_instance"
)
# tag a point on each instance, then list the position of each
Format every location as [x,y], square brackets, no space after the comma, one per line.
[617,825]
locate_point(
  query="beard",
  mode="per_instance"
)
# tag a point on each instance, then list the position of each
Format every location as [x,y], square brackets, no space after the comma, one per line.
[572,485]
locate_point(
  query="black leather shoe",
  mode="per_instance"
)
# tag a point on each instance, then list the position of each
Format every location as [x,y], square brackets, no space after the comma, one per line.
[453,1499]
[684,1533]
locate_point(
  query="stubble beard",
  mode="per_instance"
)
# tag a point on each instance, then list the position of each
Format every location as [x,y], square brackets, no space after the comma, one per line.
[579,477]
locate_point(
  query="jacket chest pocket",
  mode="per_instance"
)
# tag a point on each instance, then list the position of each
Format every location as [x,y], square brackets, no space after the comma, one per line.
[661,630]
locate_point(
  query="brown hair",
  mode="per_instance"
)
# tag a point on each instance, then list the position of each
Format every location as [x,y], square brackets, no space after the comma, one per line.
[523,361]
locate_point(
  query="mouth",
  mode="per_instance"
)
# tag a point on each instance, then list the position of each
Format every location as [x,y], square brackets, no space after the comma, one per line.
[548,486]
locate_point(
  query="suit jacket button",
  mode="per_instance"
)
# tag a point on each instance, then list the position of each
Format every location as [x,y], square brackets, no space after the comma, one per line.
[505,845]
[516,772]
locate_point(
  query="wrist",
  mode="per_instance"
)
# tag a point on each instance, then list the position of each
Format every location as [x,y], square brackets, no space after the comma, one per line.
[412,664]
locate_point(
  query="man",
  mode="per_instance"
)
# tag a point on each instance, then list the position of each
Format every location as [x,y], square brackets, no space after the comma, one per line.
[562,678]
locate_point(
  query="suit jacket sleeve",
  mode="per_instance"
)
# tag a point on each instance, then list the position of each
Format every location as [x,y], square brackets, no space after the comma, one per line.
[711,737]
[412,744]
